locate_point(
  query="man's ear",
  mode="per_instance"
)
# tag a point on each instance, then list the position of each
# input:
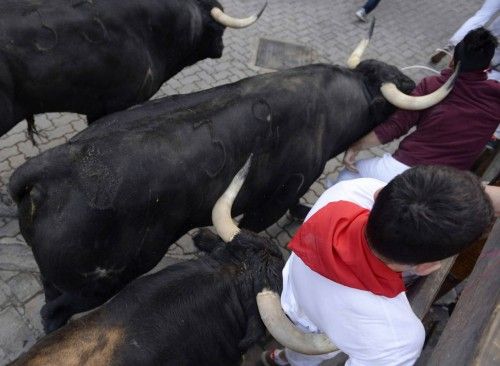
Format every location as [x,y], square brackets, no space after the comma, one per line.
[425,269]
[375,195]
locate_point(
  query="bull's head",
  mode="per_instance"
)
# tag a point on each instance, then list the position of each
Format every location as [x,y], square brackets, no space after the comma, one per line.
[392,83]
[268,298]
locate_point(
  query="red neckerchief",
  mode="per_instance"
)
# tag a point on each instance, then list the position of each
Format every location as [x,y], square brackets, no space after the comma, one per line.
[332,243]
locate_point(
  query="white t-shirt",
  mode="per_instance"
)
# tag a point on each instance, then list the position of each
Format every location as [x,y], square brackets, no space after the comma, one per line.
[372,329]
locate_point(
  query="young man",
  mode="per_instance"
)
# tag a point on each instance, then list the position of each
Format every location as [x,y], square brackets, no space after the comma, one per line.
[343,277]
[453,132]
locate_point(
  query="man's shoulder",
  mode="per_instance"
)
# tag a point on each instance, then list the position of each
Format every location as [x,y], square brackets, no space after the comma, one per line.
[358,191]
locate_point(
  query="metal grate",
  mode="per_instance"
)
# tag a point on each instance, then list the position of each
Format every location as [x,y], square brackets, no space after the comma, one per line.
[281,55]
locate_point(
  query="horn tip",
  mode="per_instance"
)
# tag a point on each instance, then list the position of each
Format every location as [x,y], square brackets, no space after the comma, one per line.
[261,10]
[372,26]
[454,76]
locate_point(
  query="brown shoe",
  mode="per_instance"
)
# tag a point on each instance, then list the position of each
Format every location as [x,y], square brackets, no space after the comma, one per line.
[273,357]
[440,53]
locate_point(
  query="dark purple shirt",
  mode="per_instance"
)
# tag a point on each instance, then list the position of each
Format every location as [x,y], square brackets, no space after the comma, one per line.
[453,132]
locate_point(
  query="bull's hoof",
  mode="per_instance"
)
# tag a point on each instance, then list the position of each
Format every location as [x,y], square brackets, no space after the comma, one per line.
[54,315]
[299,211]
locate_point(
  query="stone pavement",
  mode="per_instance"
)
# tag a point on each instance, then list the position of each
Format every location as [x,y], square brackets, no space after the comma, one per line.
[406,33]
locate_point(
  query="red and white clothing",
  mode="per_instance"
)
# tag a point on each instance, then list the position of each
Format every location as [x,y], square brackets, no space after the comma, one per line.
[332,283]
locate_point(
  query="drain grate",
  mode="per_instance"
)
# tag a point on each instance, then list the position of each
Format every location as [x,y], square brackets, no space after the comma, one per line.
[282,55]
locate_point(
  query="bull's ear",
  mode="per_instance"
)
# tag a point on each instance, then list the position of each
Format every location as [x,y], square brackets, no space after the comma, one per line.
[380,110]
[206,241]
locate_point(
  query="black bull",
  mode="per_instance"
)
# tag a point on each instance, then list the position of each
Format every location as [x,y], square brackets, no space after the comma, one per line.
[103,208]
[97,57]
[200,312]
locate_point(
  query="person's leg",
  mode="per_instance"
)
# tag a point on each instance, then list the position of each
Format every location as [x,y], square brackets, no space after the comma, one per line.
[480,18]
[299,359]
[494,74]
[370,5]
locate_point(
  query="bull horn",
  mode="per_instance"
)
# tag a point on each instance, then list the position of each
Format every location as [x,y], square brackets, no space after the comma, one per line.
[356,55]
[221,213]
[231,22]
[267,301]
[287,334]
[403,101]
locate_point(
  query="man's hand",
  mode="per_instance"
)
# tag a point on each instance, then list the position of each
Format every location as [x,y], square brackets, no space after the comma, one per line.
[366,142]
[350,159]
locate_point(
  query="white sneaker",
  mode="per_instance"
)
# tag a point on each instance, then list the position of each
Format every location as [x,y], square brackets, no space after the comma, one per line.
[361,14]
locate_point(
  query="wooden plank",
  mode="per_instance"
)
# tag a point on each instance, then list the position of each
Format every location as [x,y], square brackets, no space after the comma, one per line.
[421,295]
[493,169]
[472,335]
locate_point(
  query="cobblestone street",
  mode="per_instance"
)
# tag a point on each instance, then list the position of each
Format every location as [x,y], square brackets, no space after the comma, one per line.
[406,33]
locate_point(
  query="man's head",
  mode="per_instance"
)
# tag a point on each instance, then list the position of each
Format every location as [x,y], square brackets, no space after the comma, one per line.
[476,50]
[426,214]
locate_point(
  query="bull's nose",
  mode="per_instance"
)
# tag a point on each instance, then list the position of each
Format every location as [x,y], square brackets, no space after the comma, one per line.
[217,50]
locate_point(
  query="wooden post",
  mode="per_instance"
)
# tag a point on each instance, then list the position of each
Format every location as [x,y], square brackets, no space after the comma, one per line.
[472,335]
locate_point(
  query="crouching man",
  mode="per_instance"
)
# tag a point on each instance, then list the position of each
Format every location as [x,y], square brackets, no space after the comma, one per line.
[344,275]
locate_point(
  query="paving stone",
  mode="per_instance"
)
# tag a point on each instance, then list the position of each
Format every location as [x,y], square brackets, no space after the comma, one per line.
[3,298]
[15,336]
[24,286]
[6,275]
[17,257]
[186,244]
[10,230]
[32,311]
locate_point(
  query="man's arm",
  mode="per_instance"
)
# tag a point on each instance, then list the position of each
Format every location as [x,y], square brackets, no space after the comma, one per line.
[370,140]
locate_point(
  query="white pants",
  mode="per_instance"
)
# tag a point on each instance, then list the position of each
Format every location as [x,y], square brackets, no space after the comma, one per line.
[482,16]
[383,168]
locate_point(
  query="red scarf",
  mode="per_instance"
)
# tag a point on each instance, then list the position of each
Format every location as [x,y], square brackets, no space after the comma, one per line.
[332,243]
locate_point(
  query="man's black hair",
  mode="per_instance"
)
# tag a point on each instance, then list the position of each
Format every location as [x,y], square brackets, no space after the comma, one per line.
[428,213]
[476,50]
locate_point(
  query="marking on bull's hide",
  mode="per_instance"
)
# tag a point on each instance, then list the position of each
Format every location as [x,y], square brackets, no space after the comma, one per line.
[301,179]
[97,34]
[261,110]
[147,84]
[82,2]
[96,179]
[102,272]
[47,39]
[212,173]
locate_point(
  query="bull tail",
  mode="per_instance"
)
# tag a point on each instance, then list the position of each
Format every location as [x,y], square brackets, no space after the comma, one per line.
[32,130]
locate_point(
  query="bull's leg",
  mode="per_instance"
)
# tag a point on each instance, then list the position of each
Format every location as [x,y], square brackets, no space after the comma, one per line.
[283,198]
[7,120]
[57,312]
[51,292]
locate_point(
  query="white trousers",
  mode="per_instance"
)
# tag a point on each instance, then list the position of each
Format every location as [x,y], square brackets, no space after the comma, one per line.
[482,16]
[383,168]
